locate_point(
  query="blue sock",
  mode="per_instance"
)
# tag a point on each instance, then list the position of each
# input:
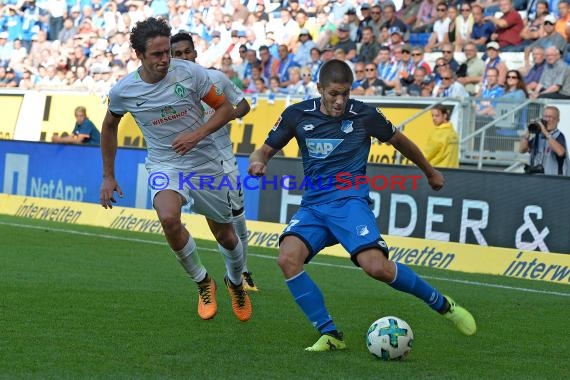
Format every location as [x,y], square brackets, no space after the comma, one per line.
[310,299]
[408,281]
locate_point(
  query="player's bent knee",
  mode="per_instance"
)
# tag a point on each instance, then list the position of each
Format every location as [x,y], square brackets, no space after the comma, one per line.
[376,265]
[170,221]
[226,237]
[292,255]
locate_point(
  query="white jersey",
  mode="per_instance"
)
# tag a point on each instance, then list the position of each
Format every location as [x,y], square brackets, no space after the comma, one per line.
[234,96]
[165,109]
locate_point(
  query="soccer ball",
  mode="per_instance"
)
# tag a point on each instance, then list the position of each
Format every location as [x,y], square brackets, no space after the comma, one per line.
[389,338]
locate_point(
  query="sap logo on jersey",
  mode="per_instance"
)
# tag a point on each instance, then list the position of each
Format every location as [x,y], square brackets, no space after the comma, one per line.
[321,148]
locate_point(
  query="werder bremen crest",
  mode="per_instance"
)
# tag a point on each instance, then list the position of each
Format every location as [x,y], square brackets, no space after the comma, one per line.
[180,90]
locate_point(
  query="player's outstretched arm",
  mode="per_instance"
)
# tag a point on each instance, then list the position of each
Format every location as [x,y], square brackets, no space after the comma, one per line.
[259,158]
[411,151]
[108,152]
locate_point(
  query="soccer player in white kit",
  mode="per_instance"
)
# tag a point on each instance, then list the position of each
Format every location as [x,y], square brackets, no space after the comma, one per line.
[182,47]
[164,98]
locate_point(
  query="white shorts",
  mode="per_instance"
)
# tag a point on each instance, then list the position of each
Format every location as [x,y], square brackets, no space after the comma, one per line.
[202,192]
[236,192]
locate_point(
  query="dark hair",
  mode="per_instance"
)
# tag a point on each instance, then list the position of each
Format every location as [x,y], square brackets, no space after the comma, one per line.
[521,85]
[145,30]
[445,110]
[335,71]
[182,36]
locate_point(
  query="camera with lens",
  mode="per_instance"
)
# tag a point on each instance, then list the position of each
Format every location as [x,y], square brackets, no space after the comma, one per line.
[534,169]
[534,127]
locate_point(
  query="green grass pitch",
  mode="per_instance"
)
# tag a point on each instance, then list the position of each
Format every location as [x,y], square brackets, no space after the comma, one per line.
[83,302]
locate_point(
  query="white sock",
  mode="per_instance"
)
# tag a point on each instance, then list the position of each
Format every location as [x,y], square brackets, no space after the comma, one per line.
[190,260]
[234,262]
[241,231]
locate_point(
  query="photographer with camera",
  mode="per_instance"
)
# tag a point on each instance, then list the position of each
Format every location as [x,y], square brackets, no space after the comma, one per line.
[547,146]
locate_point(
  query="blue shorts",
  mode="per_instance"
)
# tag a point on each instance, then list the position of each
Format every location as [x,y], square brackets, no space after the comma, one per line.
[348,221]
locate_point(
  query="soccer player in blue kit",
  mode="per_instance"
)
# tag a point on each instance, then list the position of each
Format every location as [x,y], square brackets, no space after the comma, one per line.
[333,133]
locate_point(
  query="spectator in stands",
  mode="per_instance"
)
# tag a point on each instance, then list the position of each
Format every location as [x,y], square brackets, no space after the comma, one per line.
[31,23]
[428,87]
[482,29]
[83,80]
[440,65]
[251,60]
[338,10]
[451,30]
[372,86]
[287,29]
[427,14]
[492,90]
[256,73]
[84,131]
[442,148]
[241,62]
[547,148]
[295,87]
[344,42]
[440,28]
[447,51]
[365,18]
[494,61]
[12,21]
[463,26]
[310,87]
[352,21]
[376,21]
[18,56]
[67,32]
[27,82]
[315,64]
[391,19]
[251,40]
[303,22]
[396,37]
[326,30]
[56,10]
[415,88]
[269,63]
[555,79]
[8,77]
[369,48]
[419,59]
[449,88]
[304,46]
[287,61]
[533,28]
[406,66]
[409,12]
[515,87]
[359,77]
[40,42]
[341,56]
[509,27]
[387,68]
[534,73]
[6,49]
[550,38]
[563,19]
[470,73]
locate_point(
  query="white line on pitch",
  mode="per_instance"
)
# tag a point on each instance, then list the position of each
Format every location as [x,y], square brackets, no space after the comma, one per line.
[467,282]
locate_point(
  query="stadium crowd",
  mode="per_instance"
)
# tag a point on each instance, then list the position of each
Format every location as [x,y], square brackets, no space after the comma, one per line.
[270,47]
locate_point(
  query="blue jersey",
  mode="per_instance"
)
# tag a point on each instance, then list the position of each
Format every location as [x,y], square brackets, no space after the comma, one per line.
[334,149]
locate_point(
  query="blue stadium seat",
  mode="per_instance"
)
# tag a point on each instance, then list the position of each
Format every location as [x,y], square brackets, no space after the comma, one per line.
[419,39]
